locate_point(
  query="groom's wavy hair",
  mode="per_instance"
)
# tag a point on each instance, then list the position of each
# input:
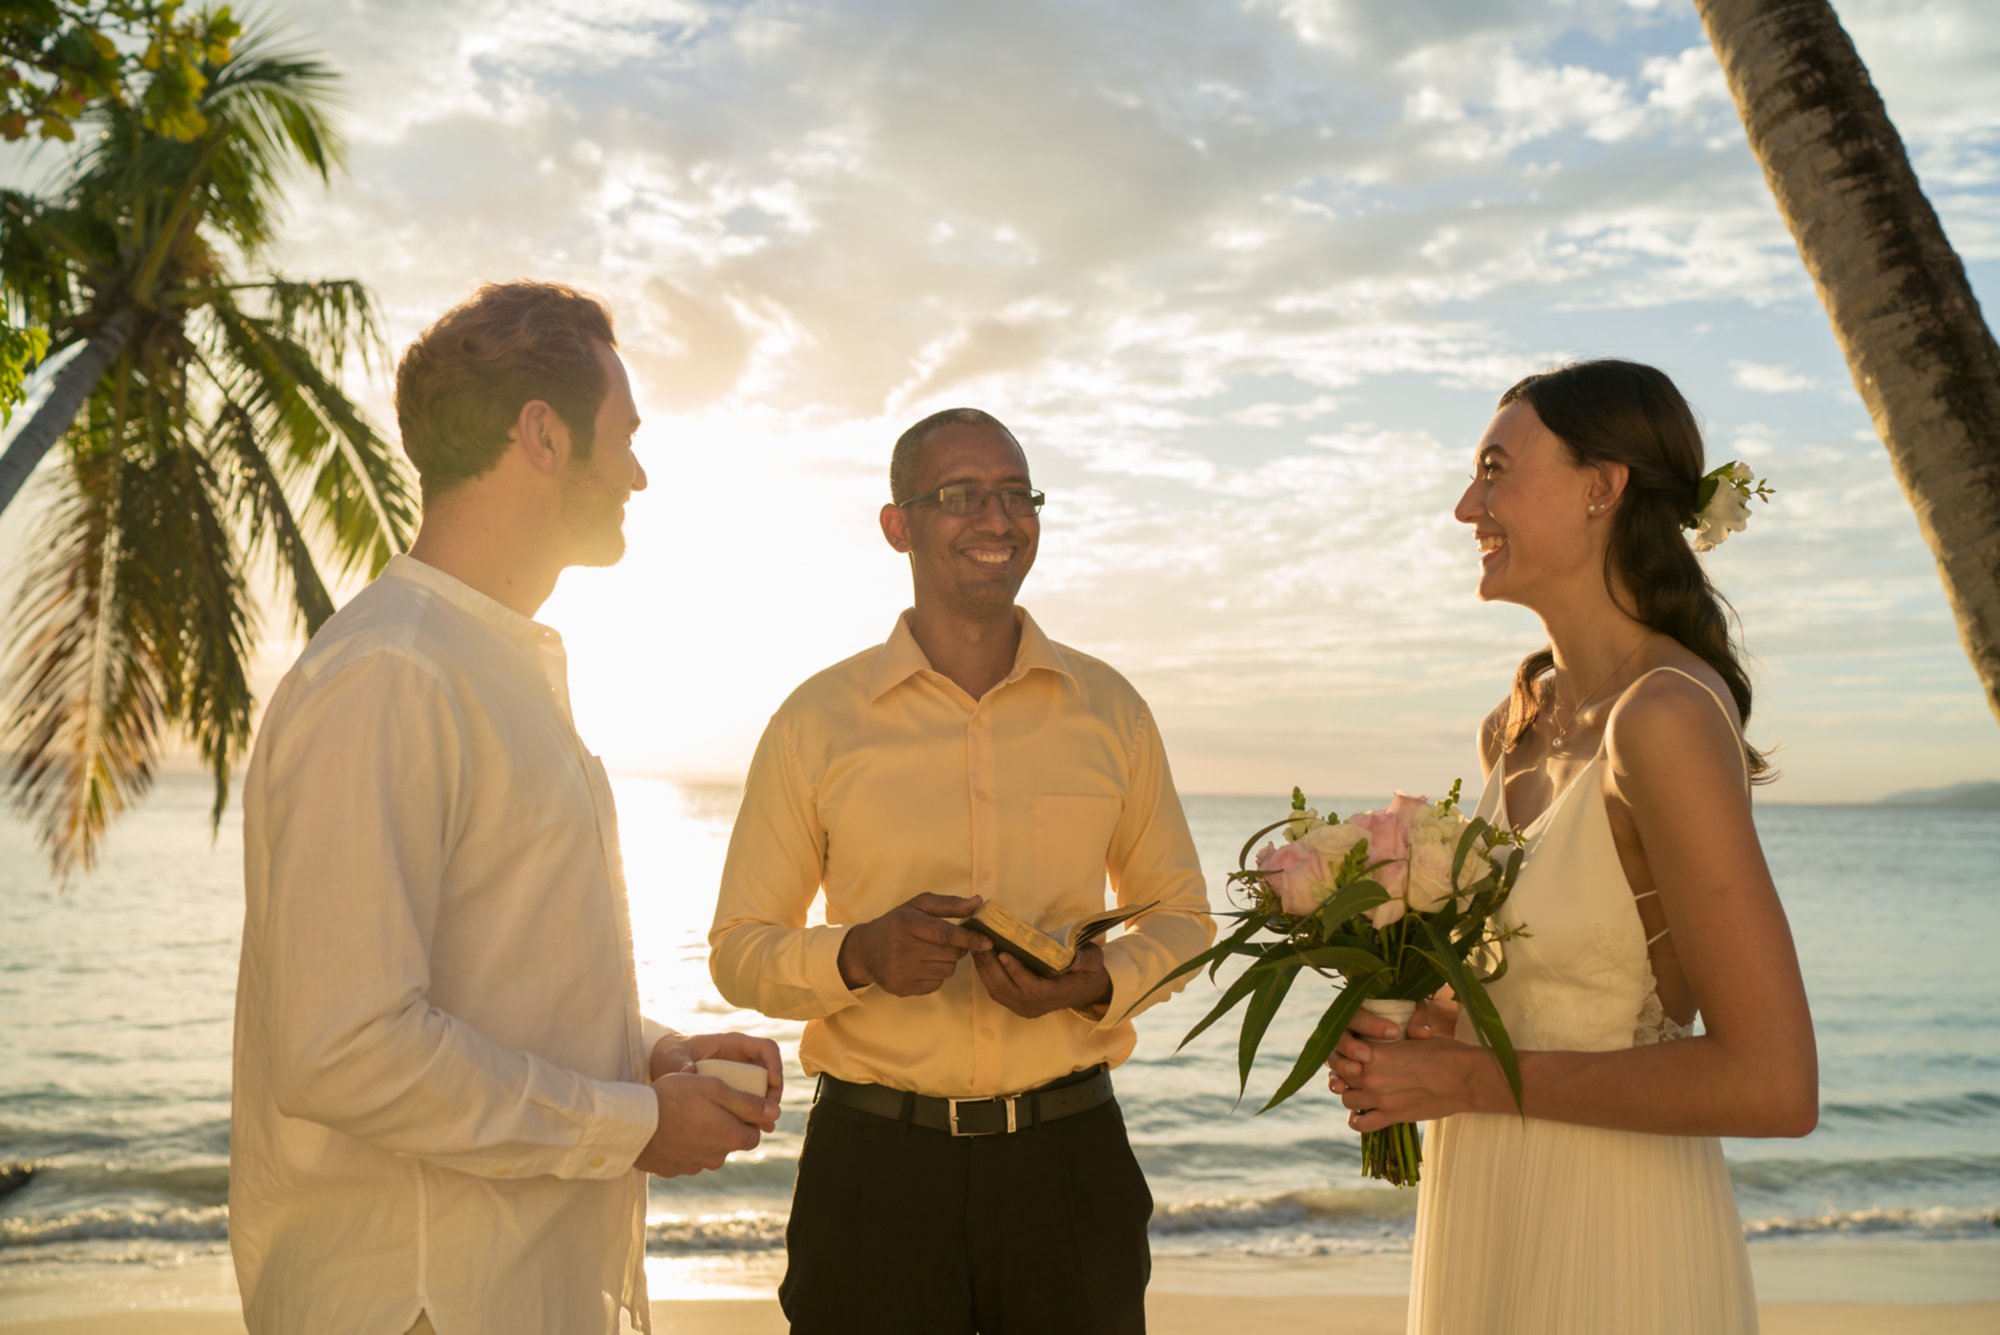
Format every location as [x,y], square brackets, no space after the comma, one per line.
[1610,411]
[464,381]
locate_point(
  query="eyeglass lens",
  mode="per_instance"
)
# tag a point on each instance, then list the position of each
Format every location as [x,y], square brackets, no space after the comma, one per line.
[965,500]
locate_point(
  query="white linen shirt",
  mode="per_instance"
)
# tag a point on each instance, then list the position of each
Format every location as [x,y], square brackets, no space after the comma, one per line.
[440,1064]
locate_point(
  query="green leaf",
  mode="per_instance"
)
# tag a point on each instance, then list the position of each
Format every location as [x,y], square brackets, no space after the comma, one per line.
[1214,955]
[1229,945]
[1473,830]
[1354,898]
[1238,990]
[1472,998]
[1350,961]
[1264,1003]
[1320,1046]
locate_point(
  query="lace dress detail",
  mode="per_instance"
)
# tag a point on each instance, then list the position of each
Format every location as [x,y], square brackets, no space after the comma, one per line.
[1530,1227]
[1655,1025]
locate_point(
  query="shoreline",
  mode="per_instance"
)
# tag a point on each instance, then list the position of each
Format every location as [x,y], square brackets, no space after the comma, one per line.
[1844,1287]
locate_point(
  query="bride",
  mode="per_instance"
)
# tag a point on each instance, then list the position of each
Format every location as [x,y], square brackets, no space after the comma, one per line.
[1645,901]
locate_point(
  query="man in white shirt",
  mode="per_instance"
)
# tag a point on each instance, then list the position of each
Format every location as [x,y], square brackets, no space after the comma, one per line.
[446,1101]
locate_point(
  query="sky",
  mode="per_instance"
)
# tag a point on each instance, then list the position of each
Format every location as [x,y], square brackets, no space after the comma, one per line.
[1245,279]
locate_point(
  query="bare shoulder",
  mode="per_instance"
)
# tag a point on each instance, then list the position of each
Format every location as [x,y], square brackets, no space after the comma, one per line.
[1670,721]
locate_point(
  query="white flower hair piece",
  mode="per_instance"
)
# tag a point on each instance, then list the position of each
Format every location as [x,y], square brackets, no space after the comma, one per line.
[1722,504]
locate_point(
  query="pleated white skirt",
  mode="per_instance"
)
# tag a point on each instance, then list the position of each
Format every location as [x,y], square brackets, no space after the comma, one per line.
[1527,1227]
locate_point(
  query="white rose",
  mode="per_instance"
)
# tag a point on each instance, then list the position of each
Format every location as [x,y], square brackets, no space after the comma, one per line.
[1331,843]
[1430,876]
[1301,823]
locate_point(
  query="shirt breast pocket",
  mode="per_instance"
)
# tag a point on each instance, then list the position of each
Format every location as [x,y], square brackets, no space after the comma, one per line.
[1072,837]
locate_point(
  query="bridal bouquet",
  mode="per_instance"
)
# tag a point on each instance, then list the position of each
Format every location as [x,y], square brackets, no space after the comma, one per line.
[1391,906]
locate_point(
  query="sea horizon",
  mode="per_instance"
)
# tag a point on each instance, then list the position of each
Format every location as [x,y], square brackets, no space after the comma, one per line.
[116,1089]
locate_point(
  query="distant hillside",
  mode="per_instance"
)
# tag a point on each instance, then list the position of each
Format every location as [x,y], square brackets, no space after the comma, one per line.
[1958,797]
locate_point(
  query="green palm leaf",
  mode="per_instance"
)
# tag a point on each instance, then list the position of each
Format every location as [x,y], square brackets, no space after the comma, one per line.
[203,426]
[86,715]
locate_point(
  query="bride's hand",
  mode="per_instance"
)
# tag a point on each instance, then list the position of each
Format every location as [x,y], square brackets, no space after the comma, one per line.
[1436,1018]
[1383,1083]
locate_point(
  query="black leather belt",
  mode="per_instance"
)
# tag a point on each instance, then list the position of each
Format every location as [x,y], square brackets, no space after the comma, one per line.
[994,1116]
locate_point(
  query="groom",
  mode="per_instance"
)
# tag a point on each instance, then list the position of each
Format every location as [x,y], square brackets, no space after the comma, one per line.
[965,1166]
[446,1100]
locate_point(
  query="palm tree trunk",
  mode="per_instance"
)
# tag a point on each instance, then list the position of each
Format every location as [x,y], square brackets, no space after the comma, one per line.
[72,386]
[1919,351]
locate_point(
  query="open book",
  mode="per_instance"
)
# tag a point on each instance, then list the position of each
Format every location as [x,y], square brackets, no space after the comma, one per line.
[1046,954]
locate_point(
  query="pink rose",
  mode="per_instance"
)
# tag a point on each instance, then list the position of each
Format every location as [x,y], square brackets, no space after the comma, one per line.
[1296,873]
[1388,841]
[1388,834]
[1407,807]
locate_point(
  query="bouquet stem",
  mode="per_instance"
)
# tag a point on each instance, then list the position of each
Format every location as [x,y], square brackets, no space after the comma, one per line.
[1395,1153]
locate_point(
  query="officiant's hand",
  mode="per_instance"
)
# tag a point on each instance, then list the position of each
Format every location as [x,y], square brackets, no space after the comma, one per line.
[679,1052]
[910,950]
[702,1123]
[1084,986]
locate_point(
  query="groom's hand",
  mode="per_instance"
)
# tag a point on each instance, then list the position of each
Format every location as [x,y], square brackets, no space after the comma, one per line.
[679,1052]
[1084,986]
[910,950]
[702,1123]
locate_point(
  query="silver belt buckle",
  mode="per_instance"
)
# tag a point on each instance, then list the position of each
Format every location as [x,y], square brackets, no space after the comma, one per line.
[951,1115]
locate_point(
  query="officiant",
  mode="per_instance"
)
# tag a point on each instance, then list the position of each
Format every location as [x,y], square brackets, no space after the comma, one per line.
[965,1165]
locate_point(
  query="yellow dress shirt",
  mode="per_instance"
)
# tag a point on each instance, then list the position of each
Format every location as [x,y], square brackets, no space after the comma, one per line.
[880,779]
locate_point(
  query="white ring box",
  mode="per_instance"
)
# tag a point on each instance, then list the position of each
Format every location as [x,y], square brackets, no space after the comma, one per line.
[752,1080]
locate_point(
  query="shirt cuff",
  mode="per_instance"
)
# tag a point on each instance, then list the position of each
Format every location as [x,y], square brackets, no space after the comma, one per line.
[625,1118]
[1126,987]
[823,970]
[650,1034]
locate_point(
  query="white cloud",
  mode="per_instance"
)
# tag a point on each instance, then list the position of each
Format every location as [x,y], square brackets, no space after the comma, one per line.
[1760,378]
[1246,276]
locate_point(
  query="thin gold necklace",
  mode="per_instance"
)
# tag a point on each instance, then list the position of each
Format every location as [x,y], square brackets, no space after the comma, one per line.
[1561,724]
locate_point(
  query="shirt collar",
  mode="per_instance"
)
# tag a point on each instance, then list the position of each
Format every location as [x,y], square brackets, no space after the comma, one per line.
[463,596]
[902,657]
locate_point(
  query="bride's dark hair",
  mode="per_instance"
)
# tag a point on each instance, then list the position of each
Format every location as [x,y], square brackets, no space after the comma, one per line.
[1609,411]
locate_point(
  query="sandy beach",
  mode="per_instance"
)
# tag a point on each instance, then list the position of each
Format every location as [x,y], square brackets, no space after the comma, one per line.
[1839,1288]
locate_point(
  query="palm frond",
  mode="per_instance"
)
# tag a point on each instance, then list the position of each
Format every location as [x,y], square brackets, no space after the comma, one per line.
[258,495]
[192,575]
[270,111]
[328,318]
[359,498]
[280,101]
[87,716]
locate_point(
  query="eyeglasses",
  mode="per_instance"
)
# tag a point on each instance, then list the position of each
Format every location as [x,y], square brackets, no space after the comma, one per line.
[967,499]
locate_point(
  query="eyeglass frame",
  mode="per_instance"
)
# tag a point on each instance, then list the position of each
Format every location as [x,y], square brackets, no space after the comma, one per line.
[1036,498]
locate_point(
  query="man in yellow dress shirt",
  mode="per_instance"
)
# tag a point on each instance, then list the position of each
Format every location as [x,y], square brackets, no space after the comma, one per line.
[965,1165]
[446,1100]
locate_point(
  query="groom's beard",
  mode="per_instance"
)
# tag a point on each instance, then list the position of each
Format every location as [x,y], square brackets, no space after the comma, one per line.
[592,510]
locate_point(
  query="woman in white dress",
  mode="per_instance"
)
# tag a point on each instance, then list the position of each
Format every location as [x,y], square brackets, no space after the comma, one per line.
[1645,900]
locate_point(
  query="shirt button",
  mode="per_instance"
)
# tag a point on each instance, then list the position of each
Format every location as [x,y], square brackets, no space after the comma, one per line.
[597,1161]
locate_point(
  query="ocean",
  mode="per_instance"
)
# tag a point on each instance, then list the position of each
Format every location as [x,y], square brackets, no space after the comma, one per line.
[117,997]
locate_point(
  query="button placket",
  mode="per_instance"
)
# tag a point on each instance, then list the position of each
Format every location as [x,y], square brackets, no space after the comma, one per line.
[985,826]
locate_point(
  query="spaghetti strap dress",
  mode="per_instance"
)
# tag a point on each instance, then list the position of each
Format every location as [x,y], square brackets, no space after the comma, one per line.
[1532,1227]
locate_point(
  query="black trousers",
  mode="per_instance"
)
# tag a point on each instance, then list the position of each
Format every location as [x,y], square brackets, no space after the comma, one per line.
[901,1231]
